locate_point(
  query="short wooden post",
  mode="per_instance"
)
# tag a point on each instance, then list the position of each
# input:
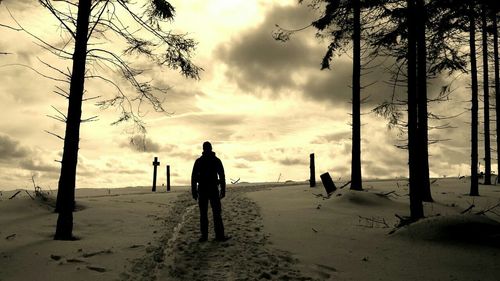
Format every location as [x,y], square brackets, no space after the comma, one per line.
[168,177]
[155,165]
[328,183]
[312,179]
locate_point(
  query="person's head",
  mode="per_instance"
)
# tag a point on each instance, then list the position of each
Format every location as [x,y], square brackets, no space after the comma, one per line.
[207,146]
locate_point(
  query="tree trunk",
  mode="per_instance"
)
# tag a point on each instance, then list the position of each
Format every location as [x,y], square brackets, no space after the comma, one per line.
[474,190]
[67,179]
[487,148]
[422,133]
[356,182]
[416,208]
[497,84]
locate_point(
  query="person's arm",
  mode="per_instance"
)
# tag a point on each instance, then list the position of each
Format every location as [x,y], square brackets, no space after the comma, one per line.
[222,180]
[194,180]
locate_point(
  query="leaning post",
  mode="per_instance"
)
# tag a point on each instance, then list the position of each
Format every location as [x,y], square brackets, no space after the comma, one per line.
[155,165]
[312,179]
[328,183]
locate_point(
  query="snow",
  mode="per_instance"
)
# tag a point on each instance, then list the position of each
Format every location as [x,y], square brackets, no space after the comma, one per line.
[278,231]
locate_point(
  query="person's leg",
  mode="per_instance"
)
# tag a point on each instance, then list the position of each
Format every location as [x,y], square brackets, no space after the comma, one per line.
[203,204]
[217,214]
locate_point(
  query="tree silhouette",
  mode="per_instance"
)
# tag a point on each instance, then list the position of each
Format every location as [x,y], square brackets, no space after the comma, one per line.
[438,49]
[474,188]
[97,24]
[416,207]
[460,17]
[341,24]
[486,94]
[494,10]
[422,113]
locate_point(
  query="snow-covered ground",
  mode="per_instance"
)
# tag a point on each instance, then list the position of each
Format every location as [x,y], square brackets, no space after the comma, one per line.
[279,232]
[346,237]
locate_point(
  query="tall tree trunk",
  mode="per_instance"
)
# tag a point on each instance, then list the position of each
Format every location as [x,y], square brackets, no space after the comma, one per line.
[474,189]
[356,182]
[497,84]
[416,208]
[67,179]
[423,137]
[487,146]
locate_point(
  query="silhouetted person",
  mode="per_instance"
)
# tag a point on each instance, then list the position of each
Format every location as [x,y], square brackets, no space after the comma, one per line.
[208,174]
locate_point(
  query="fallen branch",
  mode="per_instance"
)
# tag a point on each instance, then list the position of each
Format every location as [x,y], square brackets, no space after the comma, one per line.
[96,268]
[468,209]
[10,236]
[15,194]
[386,194]
[403,221]
[489,210]
[87,255]
[346,184]
[29,195]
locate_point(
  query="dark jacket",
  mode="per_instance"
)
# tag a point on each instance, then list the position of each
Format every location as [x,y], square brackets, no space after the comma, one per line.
[208,173]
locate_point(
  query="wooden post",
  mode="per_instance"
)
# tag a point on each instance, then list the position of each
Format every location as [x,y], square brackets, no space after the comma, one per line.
[328,183]
[312,179]
[168,177]
[155,165]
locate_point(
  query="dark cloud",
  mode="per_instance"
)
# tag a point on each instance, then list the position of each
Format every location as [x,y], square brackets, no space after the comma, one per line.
[330,85]
[11,148]
[142,143]
[293,161]
[255,60]
[213,120]
[40,166]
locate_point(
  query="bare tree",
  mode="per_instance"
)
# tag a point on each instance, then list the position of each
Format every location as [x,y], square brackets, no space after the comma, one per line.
[89,26]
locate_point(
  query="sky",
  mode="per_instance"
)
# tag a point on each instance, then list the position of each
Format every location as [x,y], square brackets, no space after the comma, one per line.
[264,105]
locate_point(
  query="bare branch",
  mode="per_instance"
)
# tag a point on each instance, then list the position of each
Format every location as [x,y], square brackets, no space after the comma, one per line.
[36,71]
[57,15]
[55,135]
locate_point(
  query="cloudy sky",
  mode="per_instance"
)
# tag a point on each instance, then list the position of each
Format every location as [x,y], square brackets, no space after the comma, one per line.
[264,105]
